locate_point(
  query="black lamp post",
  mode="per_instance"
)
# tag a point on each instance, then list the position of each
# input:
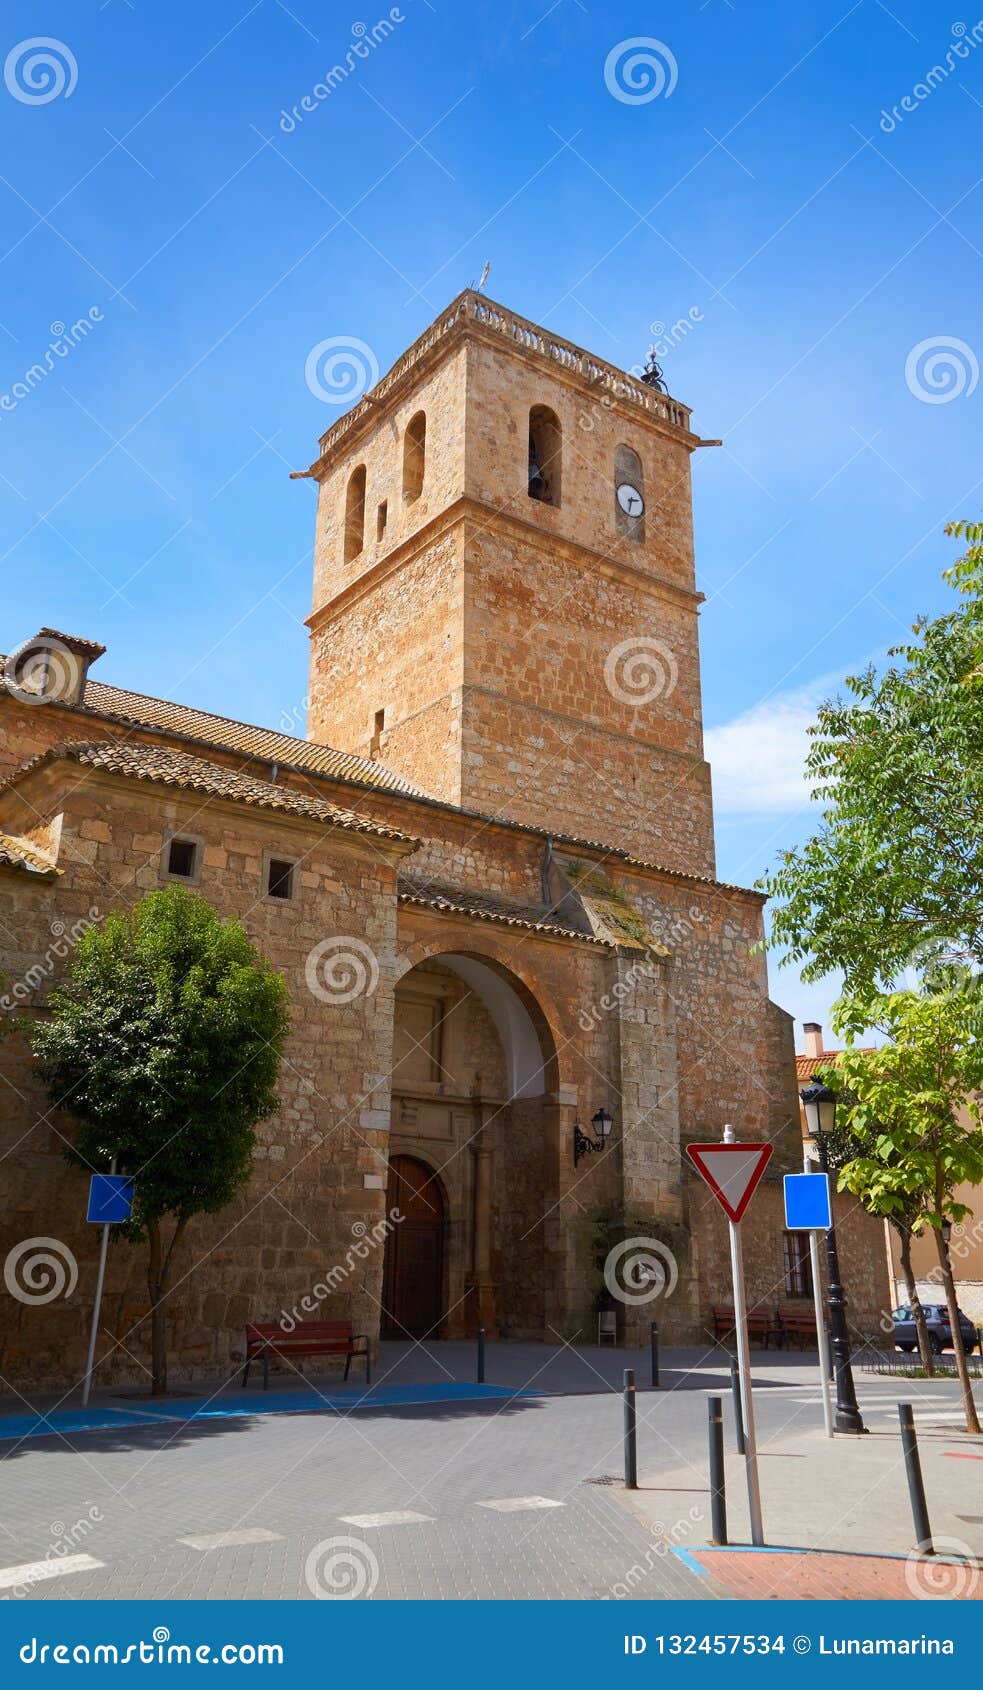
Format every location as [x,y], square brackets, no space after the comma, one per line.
[582,1146]
[819,1104]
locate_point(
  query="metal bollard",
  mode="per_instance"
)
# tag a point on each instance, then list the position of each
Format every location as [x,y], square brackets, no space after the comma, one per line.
[481,1355]
[735,1388]
[916,1488]
[718,1500]
[631,1451]
[654,1339]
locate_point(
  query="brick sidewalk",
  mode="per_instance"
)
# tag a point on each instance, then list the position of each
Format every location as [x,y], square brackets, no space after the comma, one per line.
[754,1574]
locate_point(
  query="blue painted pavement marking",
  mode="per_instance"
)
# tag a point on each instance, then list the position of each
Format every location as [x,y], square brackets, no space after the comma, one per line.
[59,1423]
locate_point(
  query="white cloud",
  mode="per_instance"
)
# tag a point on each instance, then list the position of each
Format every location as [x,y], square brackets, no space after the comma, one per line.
[758,759]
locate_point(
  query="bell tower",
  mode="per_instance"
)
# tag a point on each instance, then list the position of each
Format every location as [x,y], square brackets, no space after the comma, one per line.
[504,602]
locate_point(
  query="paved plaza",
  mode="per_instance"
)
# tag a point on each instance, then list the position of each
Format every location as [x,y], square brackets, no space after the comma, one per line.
[506,1496]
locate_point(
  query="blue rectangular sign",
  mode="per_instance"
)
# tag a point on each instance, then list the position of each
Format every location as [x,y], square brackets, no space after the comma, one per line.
[110,1198]
[807,1203]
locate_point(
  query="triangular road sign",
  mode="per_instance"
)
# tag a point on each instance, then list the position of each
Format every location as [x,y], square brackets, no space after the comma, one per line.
[732,1172]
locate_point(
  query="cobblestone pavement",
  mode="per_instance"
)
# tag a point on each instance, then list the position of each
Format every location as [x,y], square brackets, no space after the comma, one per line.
[476,1500]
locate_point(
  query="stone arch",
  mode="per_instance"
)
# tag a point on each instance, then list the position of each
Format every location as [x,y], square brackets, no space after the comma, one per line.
[628,470]
[355,514]
[545,455]
[414,456]
[518,1006]
[474,1096]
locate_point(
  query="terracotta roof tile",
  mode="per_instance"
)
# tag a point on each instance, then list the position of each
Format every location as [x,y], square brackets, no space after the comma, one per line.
[267,744]
[485,906]
[177,769]
[74,642]
[806,1066]
[16,855]
[137,709]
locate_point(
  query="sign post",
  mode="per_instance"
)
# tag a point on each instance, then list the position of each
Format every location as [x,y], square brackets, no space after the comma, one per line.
[732,1172]
[110,1201]
[808,1208]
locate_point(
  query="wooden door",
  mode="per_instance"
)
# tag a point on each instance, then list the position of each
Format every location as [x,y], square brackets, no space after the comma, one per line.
[413,1275]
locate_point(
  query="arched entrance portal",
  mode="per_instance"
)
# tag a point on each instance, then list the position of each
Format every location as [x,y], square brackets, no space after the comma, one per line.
[412,1286]
[474,1103]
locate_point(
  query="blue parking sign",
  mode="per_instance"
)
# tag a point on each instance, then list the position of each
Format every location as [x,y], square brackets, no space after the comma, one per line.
[110,1199]
[808,1205]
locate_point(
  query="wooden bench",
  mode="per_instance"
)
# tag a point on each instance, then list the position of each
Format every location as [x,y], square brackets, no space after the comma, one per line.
[760,1323]
[797,1323]
[307,1338]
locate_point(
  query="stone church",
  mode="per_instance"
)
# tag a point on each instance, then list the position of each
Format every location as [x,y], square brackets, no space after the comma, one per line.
[487,876]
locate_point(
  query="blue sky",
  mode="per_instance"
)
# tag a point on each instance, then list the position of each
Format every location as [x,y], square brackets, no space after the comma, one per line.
[811,243]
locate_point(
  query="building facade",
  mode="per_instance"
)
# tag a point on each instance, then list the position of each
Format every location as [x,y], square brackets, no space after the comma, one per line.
[487,877]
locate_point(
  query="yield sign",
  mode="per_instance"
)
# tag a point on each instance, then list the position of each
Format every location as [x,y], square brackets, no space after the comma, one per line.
[732,1172]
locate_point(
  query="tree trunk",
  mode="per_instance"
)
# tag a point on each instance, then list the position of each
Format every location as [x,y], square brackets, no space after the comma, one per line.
[158,1276]
[972,1418]
[924,1347]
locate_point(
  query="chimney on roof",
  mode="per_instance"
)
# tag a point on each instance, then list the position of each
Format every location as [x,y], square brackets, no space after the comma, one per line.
[814,1038]
[51,668]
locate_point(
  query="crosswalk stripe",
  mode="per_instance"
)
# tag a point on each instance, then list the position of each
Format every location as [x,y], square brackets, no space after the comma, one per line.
[512,1504]
[32,1572]
[398,1517]
[226,1540]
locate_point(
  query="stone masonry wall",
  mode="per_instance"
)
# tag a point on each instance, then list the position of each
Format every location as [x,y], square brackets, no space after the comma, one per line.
[297,1218]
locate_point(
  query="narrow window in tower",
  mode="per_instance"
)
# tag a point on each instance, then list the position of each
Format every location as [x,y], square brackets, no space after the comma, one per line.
[355,514]
[629,493]
[378,728]
[414,456]
[545,455]
[381,518]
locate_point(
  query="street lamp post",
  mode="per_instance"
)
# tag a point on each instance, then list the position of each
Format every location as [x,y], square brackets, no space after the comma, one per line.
[820,1109]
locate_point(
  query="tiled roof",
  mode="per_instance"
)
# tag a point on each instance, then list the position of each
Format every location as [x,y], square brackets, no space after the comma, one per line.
[192,774]
[265,743]
[15,854]
[485,906]
[806,1066]
[137,709]
[74,642]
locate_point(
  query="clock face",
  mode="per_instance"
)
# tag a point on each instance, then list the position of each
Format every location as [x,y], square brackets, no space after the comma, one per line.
[630,499]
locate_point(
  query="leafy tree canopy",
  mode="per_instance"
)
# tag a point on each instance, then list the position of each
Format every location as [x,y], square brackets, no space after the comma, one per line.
[895,872]
[165,1044]
[900,1102]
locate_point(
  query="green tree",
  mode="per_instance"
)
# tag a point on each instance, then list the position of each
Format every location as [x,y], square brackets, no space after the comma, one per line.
[165,1042]
[895,872]
[901,1104]
[848,1141]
